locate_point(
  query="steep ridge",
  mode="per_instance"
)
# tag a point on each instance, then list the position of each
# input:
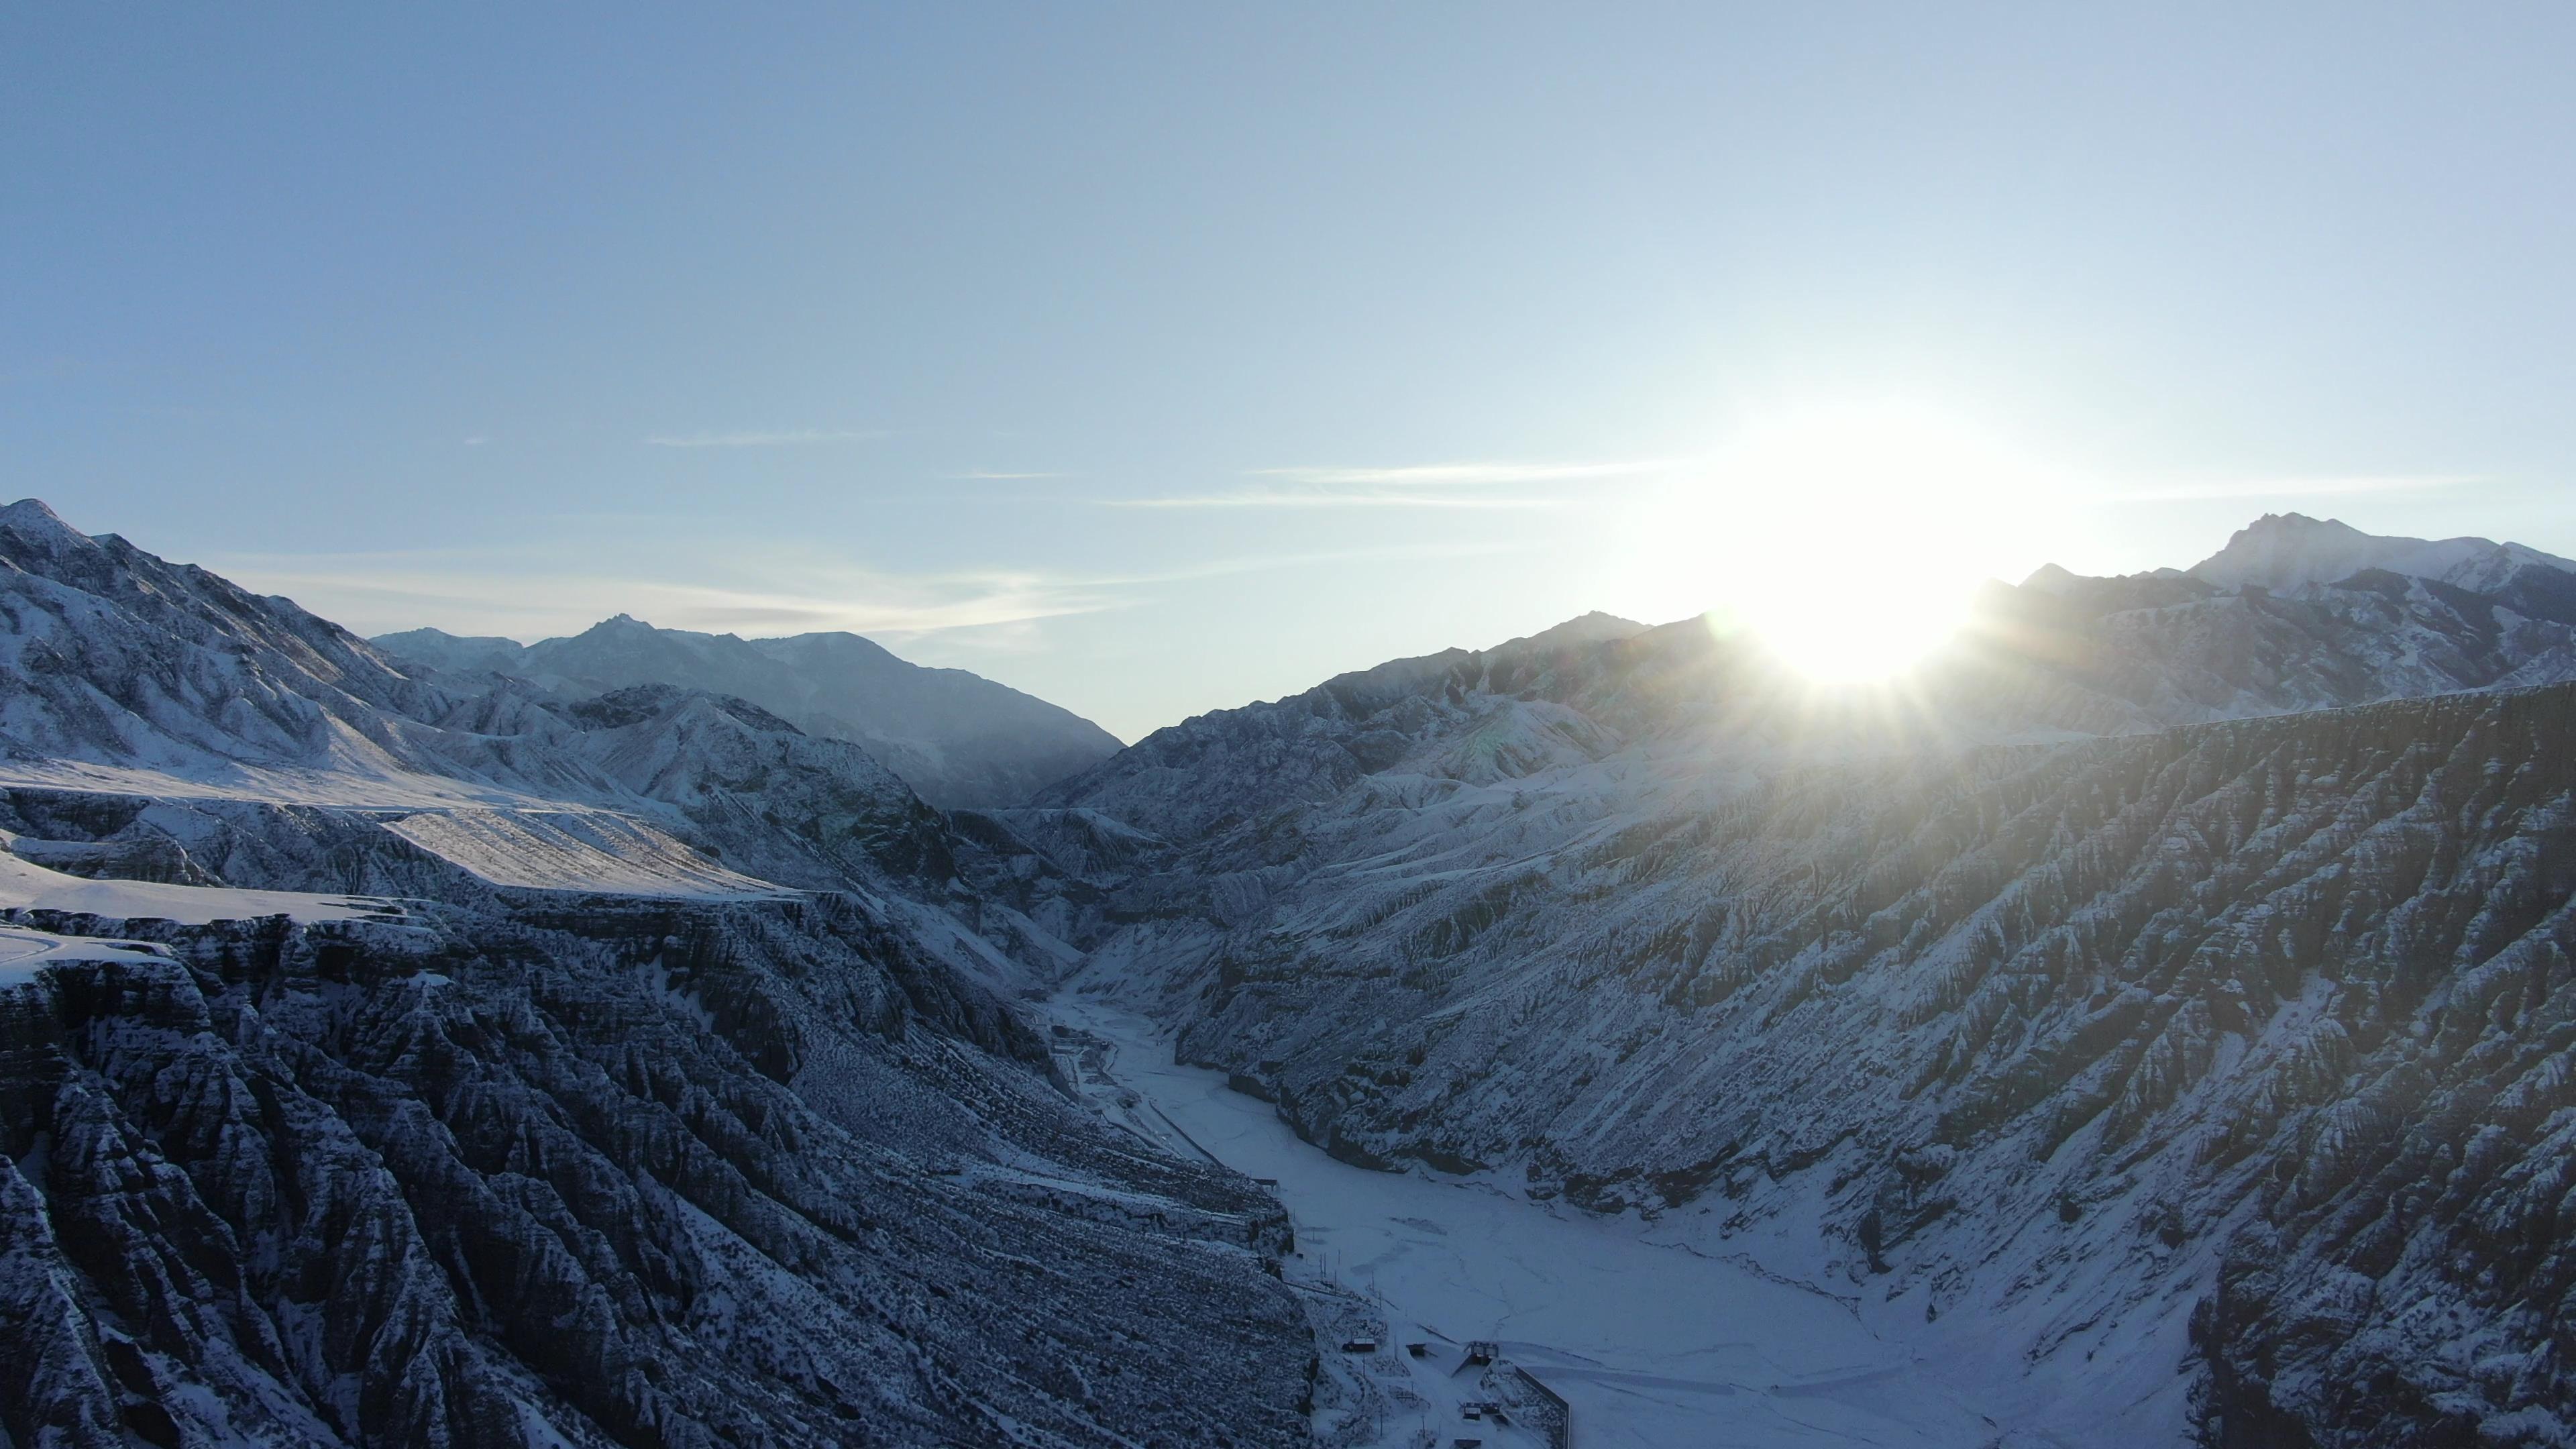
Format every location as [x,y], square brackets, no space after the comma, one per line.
[1994,993]
[595,1171]
[2282,551]
[633,1069]
[2080,657]
[2154,1013]
[256,745]
[2274,1013]
[955,737]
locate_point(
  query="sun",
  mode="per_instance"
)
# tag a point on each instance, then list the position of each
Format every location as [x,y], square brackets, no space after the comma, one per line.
[1849,539]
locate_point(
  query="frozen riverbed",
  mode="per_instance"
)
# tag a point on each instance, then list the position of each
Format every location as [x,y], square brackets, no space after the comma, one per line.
[1652,1345]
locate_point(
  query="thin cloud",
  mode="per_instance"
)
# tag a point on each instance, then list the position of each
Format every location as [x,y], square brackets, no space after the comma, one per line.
[1413,485]
[2297,487]
[1278,498]
[777,438]
[511,593]
[1454,475]
[373,599]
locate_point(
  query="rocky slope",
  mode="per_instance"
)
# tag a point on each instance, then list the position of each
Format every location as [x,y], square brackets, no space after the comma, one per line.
[2156,1011]
[955,737]
[254,744]
[2282,551]
[678,1100]
[594,1171]
[2277,1013]
[2150,1059]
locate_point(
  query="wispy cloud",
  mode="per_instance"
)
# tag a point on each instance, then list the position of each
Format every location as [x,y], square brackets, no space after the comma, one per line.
[376,593]
[1456,475]
[2306,486]
[1001,477]
[757,438]
[1412,485]
[1288,498]
[517,593]
[478,440]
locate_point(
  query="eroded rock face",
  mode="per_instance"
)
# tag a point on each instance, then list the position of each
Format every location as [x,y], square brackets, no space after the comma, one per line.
[2274,1016]
[606,1170]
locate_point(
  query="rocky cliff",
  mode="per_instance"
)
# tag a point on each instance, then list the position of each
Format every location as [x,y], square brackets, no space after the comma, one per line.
[596,1171]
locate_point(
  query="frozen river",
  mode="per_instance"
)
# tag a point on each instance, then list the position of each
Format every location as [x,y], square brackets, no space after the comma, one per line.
[1652,1345]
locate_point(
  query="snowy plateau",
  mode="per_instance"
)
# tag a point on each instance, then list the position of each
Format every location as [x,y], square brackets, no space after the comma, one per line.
[2149,1022]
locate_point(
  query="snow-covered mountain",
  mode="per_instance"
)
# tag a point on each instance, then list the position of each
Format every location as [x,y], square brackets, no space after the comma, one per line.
[2285,550]
[2113,1006]
[956,738]
[586,1172]
[2152,1015]
[389,1062]
[254,729]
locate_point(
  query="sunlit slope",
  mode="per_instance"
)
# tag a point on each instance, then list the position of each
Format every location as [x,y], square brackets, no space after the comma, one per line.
[2008,992]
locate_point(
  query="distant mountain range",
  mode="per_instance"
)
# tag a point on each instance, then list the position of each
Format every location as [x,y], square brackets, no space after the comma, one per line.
[2101,1000]
[399,1057]
[956,738]
[2285,550]
[2154,1010]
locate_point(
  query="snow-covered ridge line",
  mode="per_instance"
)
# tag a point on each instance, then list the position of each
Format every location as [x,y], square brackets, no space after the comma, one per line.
[955,737]
[2104,1053]
[612,1172]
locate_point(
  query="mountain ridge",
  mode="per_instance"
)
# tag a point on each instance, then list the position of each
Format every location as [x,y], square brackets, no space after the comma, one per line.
[954,736]
[2158,1000]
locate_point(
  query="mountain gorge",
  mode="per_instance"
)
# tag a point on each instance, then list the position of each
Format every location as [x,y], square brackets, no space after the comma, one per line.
[2154,1015]
[2191,1059]
[398,1063]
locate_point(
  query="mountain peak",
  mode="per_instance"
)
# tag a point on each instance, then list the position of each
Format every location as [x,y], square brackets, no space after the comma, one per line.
[2286,550]
[1588,628]
[32,519]
[2050,578]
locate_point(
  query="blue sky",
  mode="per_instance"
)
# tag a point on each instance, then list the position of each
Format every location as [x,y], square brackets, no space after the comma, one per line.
[1156,359]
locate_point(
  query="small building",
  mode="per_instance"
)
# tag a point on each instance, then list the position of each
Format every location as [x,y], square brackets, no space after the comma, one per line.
[1483,1350]
[1360,1345]
[1418,1350]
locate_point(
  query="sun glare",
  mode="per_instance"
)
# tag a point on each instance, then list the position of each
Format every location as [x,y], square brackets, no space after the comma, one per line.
[1850,540]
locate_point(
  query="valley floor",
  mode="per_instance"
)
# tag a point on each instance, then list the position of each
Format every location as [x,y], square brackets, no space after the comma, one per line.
[1651,1345]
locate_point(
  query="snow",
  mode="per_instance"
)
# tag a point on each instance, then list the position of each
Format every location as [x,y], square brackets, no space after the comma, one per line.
[346,788]
[575,850]
[1653,1344]
[2283,551]
[24,953]
[29,886]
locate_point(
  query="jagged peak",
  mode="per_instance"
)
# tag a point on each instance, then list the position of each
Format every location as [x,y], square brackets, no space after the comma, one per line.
[34,519]
[2286,550]
[1592,627]
[2051,578]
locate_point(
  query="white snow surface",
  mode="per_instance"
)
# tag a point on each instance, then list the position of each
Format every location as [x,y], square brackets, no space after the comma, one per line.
[574,850]
[25,885]
[2286,550]
[1657,1343]
[23,953]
